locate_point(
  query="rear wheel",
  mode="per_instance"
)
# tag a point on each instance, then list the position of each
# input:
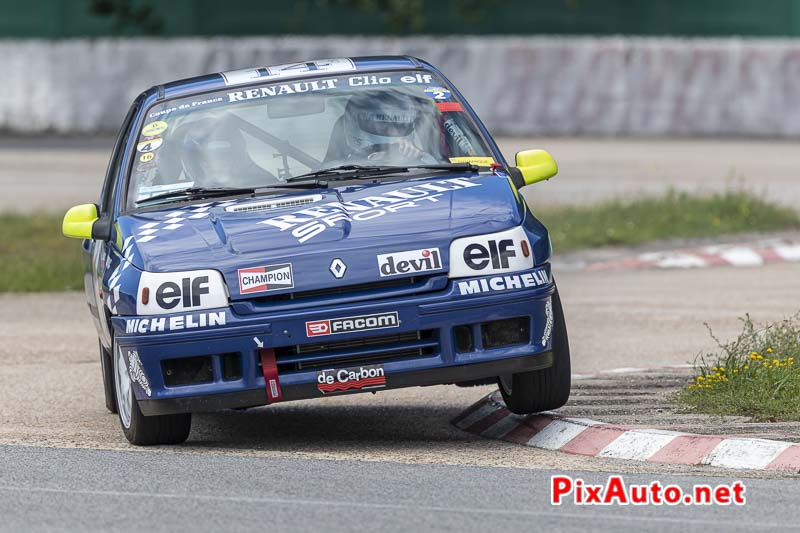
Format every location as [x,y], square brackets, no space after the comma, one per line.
[107,366]
[139,429]
[546,389]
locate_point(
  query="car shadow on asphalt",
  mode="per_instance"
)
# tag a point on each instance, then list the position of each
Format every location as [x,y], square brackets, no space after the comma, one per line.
[317,427]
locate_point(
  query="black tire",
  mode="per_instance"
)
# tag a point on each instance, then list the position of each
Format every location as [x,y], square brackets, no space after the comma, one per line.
[546,389]
[106,366]
[146,430]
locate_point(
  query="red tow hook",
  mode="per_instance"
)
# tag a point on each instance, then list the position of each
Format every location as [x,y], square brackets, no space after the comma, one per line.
[270,369]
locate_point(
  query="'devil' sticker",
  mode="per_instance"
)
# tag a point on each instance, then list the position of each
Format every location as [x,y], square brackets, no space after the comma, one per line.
[365,377]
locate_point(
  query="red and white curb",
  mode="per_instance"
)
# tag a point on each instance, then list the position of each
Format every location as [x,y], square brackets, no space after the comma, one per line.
[579,436]
[737,255]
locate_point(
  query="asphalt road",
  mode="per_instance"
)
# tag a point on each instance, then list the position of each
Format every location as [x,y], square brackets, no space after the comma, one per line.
[56,173]
[89,490]
[389,461]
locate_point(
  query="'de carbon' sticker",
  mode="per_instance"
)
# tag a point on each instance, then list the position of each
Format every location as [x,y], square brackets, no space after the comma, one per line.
[356,378]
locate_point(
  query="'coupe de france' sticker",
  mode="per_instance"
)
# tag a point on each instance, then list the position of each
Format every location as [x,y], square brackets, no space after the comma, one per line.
[154,128]
[357,378]
[438,93]
[149,146]
[266,278]
[309,68]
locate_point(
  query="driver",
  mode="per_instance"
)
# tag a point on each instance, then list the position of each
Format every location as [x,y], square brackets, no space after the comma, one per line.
[379,127]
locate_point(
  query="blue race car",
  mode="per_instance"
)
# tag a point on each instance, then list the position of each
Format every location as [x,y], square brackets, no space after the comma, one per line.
[320,228]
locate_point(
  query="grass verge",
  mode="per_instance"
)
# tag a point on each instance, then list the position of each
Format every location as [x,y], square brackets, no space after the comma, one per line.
[35,257]
[756,375]
[667,216]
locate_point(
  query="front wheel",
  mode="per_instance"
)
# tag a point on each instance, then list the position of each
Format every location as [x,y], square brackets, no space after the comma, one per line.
[139,429]
[546,389]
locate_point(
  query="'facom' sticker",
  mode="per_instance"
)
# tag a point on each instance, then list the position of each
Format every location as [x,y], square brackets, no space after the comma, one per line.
[352,324]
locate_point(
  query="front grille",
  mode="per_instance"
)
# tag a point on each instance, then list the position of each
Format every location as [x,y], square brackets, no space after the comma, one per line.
[354,352]
[350,290]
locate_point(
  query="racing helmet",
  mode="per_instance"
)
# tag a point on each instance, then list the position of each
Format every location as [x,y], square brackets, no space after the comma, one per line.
[379,118]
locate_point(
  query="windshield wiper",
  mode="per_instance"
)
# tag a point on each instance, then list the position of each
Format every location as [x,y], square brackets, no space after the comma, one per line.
[197,193]
[346,172]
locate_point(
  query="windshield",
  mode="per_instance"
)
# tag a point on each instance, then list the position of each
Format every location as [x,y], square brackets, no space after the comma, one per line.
[261,135]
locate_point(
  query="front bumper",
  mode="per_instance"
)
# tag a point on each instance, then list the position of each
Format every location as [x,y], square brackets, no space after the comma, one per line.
[421,349]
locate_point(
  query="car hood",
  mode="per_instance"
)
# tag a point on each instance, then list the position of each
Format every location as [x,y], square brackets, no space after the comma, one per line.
[310,229]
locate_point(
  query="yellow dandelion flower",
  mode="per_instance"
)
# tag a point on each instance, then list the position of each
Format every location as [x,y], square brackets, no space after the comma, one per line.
[769,350]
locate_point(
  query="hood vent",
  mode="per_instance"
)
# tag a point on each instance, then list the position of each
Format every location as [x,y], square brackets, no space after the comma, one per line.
[280,203]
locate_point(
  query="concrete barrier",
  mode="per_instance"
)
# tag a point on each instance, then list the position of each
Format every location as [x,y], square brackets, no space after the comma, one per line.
[519,85]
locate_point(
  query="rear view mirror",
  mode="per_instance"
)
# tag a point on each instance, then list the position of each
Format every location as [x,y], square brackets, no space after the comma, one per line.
[79,220]
[283,109]
[536,165]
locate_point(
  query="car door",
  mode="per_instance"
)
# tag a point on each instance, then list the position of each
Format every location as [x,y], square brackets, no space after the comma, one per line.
[96,257]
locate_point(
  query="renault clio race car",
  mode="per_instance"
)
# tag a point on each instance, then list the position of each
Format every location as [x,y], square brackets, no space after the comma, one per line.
[313,229]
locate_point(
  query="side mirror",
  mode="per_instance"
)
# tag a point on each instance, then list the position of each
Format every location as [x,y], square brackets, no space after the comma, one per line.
[535,165]
[80,222]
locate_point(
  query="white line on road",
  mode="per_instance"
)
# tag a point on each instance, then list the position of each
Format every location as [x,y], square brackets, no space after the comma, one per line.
[550,513]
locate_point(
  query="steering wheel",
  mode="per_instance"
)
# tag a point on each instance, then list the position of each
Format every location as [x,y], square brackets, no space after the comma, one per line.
[383,151]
